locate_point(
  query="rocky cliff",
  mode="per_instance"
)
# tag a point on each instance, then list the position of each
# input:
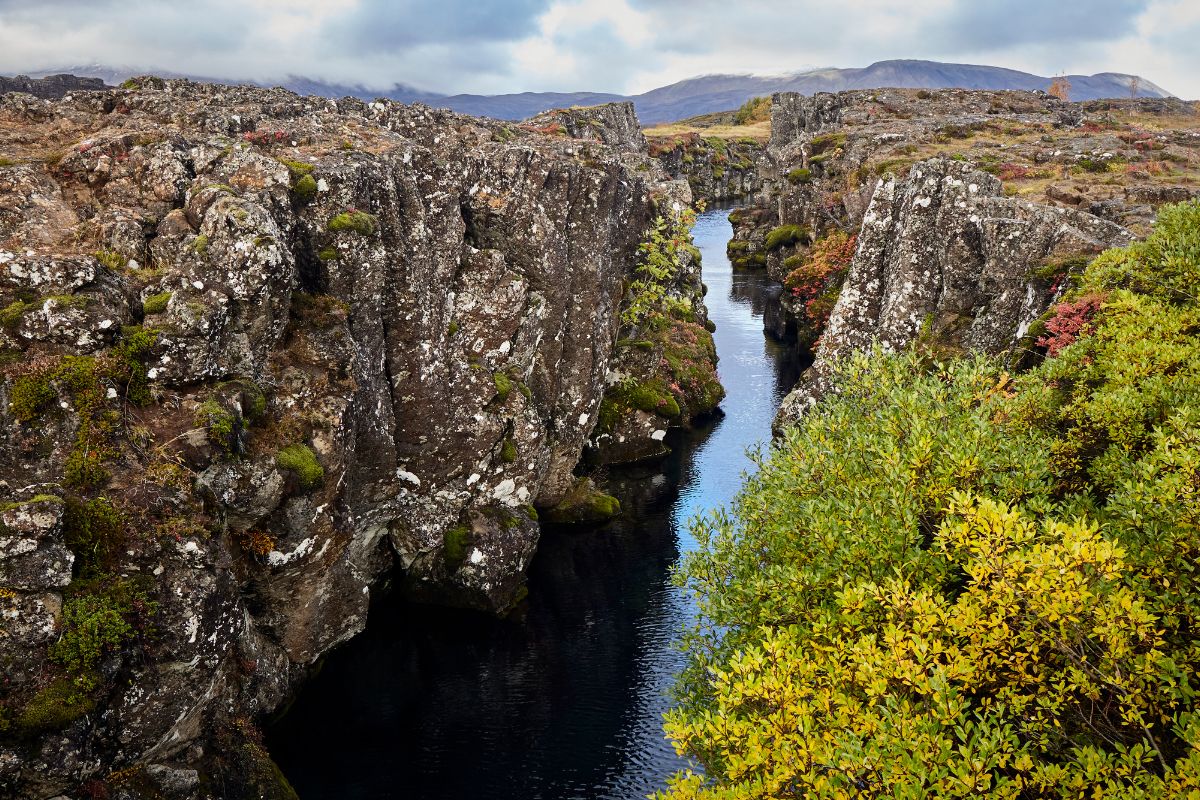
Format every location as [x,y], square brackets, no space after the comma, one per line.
[50,87]
[260,353]
[716,168]
[944,258]
[950,216]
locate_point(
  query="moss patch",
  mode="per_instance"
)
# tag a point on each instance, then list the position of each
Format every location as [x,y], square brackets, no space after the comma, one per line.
[786,236]
[455,543]
[301,461]
[156,303]
[304,189]
[504,385]
[220,424]
[584,503]
[359,222]
[54,707]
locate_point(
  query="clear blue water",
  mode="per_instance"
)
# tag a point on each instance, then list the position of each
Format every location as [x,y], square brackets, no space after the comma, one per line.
[564,698]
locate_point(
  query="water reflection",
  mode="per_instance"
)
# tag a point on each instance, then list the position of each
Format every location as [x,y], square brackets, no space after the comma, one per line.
[563,699]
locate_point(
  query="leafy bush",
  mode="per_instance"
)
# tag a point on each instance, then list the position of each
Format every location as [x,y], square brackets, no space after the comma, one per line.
[756,109]
[947,582]
[660,256]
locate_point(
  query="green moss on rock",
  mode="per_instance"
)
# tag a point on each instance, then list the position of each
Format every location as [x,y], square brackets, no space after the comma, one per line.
[455,542]
[156,303]
[504,385]
[583,504]
[359,222]
[54,707]
[304,189]
[219,422]
[786,236]
[301,461]
[799,175]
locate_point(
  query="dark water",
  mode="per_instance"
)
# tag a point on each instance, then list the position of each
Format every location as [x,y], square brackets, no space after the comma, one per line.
[563,699]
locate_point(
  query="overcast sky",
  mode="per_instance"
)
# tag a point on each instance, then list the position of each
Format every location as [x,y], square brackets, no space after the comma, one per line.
[623,46]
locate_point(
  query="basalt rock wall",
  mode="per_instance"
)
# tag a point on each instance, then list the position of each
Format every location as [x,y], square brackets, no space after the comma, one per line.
[260,354]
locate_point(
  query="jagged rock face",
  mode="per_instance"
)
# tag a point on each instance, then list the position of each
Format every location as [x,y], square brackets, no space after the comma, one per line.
[943,254]
[715,169]
[50,87]
[613,124]
[379,334]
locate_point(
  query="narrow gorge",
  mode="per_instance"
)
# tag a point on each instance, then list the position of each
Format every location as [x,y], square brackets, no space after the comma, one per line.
[276,366]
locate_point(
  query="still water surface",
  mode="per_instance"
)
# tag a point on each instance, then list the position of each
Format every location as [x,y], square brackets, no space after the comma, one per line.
[563,699]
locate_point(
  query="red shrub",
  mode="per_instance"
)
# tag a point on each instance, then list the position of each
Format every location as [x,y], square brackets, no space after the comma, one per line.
[816,282]
[1012,172]
[1070,321]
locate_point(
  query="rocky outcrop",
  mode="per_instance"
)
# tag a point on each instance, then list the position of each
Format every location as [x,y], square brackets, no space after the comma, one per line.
[613,124]
[51,87]
[1062,179]
[715,168]
[945,257]
[262,352]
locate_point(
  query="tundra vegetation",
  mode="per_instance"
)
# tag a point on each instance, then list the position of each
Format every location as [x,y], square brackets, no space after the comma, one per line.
[951,581]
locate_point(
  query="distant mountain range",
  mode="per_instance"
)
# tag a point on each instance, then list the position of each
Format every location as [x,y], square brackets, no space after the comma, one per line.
[705,94]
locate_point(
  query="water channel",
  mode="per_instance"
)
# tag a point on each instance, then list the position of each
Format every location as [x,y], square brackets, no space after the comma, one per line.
[564,698]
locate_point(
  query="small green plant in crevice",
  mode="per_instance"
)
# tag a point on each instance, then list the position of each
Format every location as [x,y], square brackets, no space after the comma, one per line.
[94,532]
[355,221]
[101,616]
[200,244]
[301,461]
[508,451]
[111,259]
[156,303]
[327,254]
[219,423]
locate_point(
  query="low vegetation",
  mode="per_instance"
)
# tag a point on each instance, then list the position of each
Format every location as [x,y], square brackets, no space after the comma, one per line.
[948,581]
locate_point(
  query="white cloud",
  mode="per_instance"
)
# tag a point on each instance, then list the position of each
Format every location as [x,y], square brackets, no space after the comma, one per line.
[623,46]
